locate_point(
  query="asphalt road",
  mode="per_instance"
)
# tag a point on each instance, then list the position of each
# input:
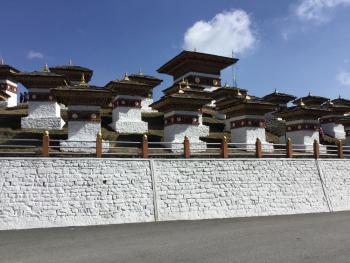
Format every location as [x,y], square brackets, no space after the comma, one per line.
[299,238]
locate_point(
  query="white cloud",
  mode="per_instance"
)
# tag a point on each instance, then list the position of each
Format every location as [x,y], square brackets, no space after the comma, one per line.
[344,78]
[226,32]
[35,55]
[317,10]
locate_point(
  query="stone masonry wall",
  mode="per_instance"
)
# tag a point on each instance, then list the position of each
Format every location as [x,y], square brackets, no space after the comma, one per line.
[54,192]
[336,178]
[46,192]
[237,188]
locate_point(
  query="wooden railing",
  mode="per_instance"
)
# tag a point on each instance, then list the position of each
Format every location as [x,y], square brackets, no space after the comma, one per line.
[47,147]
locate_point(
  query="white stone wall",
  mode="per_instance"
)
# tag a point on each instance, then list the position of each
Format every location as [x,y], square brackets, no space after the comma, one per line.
[67,192]
[336,178]
[12,100]
[46,192]
[237,188]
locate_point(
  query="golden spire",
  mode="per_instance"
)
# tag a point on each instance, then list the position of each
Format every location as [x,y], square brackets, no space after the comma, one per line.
[126,76]
[182,82]
[82,80]
[301,103]
[46,68]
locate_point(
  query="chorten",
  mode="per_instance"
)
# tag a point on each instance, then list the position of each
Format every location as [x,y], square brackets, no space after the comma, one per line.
[182,106]
[329,123]
[245,116]
[152,82]
[43,109]
[84,104]
[302,124]
[8,85]
[127,105]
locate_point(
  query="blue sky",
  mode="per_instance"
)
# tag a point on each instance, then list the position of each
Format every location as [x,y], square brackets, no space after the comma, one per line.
[294,46]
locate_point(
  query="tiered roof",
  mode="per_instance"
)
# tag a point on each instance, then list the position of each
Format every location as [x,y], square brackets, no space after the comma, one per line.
[188,61]
[129,87]
[182,96]
[44,79]
[278,97]
[72,72]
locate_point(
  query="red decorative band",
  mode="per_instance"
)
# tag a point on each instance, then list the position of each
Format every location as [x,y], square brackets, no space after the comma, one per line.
[248,123]
[181,119]
[303,126]
[208,81]
[10,88]
[133,103]
[84,116]
[38,96]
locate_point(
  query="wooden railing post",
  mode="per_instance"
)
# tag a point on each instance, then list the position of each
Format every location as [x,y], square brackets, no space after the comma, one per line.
[145,146]
[316,149]
[224,148]
[258,148]
[340,149]
[46,141]
[186,148]
[99,145]
[289,148]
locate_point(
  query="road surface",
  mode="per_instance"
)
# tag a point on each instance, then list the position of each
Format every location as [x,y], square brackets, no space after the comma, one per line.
[298,238]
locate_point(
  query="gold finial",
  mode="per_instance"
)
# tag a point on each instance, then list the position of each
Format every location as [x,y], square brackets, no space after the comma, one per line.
[301,103]
[182,82]
[126,76]
[82,80]
[46,133]
[70,62]
[140,72]
[46,68]
[99,134]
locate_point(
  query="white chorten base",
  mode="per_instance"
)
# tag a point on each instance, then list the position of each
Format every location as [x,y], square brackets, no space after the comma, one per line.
[82,137]
[43,115]
[303,140]
[334,130]
[247,137]
[128,120]
[174,136]
[145,105]
[51,123]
